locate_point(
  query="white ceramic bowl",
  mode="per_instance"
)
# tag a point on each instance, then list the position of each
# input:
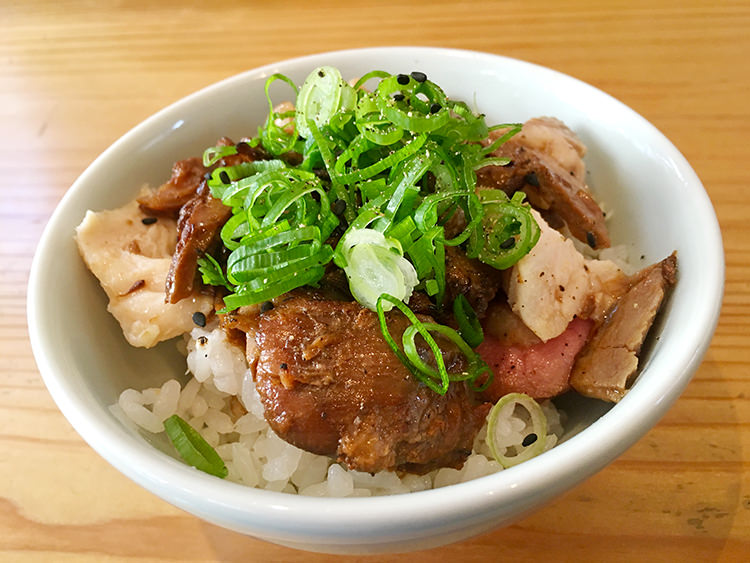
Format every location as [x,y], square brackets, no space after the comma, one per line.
[659,206]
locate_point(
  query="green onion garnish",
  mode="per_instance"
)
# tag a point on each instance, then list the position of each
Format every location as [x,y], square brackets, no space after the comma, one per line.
[468,323]
[509,454]
[436,379]
[508,230]
[385,169]
[193,448]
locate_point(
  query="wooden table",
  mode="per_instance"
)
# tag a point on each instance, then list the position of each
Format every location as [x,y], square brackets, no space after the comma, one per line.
[76,76]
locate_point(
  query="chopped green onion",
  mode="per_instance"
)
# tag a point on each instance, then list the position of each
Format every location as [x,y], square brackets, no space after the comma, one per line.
[274,138]
[213,154]
[468,323]
[193,448]
[376,265]
[323,94]
[498,424]
[436,379]
[413,109]
[508,231]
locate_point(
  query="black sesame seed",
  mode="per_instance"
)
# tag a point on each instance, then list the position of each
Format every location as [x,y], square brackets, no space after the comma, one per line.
[434,108]
[199,319]
[148,220]
[398,97]
[266,306]
[338,207]
[531,179]
[224,177]
[321,73]
[510,242]
[528,440]
[402,79]
[202,341]
[591,239]
[283,366]
[561,287]
[419,76]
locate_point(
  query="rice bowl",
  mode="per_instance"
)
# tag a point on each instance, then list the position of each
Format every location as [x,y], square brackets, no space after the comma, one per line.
[426,518]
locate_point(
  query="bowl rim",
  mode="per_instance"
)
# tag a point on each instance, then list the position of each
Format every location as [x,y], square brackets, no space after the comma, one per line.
[276,512]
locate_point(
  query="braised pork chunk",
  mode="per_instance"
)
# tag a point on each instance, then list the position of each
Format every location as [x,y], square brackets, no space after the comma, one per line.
[331,385]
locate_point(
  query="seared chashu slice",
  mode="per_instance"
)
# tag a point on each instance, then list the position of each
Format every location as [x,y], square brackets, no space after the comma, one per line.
[606,367]
[546,162]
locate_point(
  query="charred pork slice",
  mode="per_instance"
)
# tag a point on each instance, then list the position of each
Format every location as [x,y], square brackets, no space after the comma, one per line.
[200,215]
[607,365]
[187,176]
[198,228]
[546,163]
[331,385]
[477,281]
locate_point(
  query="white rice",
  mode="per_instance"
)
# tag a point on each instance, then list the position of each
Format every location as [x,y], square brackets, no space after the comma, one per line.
[255,456]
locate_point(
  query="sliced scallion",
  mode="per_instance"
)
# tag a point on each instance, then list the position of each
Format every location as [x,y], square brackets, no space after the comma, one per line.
[509,453]
[193,448]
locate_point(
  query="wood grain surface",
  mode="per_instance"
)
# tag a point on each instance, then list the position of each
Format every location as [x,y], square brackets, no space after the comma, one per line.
[74,76]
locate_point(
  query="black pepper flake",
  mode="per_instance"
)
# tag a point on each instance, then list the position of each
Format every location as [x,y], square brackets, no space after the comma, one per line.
[419,76]
[321,73]
[266,306]
[528,440]
[561,287]
[224,177]
[591,239]
[398,97]
[148,220]
[199,319]
[510,242]
[434,108]
[402,79]
[283,366]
